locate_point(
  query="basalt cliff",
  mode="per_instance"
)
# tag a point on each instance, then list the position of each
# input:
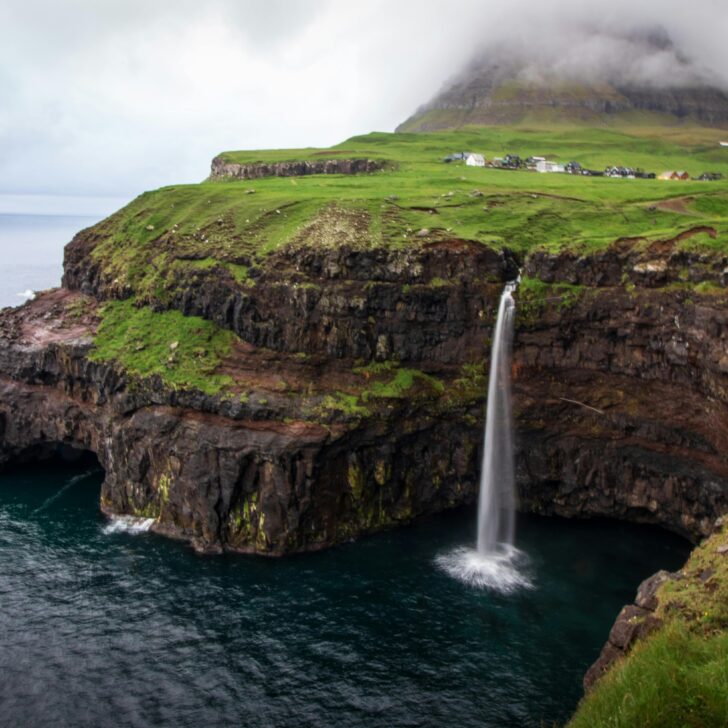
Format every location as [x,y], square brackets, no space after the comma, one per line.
[354,390]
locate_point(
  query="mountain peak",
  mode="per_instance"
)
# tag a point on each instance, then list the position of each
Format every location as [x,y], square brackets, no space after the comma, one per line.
[578,75]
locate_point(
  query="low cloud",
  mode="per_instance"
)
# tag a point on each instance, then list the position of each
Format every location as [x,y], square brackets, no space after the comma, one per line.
[116,97]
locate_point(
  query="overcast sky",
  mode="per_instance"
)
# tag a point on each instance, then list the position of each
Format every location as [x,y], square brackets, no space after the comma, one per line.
[114,97]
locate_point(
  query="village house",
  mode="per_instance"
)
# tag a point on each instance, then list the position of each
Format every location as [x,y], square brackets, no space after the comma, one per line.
[455,157]
[624,172]
[512,161]
[548,166]
[709,177]
[674,175]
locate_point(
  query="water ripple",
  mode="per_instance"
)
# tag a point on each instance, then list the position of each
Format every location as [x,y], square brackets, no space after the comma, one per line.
[101,628]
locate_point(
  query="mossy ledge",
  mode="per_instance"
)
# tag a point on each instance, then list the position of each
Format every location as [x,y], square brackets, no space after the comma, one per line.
[224,167]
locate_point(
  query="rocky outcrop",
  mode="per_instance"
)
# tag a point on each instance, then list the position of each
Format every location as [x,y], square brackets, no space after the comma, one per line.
[633,623]
[224,169]
[687,596]
[632,261]
[248,478]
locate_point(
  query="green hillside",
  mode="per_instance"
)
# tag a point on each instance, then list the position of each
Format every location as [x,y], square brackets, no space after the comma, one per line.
[418,199]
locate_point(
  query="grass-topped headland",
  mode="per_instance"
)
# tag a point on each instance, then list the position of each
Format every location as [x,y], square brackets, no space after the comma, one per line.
[237,224]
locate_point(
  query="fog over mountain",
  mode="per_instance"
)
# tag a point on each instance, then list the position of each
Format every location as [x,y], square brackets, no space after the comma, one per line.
[575,72]
[116,96]
[584,51]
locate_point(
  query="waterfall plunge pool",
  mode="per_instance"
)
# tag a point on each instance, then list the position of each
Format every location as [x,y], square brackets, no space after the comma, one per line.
[99,626]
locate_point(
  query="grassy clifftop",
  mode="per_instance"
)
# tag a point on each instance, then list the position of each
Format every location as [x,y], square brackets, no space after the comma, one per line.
[239,223]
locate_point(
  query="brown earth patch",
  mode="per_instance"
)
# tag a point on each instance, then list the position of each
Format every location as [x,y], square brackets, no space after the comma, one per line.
[676,204]
[58,316]
[667,245]
[260,369]
[335,227]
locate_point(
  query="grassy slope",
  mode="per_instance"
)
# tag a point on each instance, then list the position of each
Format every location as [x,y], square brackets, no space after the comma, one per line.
[516,104]
[184,351]
[223,221]
[678,677]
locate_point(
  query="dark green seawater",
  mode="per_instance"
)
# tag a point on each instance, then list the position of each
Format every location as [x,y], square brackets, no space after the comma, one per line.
[100,629]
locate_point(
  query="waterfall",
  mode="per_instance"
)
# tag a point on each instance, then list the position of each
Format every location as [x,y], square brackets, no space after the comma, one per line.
[497,501]
[495,564]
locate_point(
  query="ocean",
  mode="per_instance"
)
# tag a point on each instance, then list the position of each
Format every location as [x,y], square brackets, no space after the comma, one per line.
[33,232]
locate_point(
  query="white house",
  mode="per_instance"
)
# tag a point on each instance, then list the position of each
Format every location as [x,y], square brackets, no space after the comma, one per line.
[543,165]
[475,160]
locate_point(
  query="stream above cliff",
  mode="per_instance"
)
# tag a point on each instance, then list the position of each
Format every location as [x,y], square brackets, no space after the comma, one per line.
[371,633]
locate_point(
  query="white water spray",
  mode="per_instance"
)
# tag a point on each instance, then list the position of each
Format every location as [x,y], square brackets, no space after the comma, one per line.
[494,564]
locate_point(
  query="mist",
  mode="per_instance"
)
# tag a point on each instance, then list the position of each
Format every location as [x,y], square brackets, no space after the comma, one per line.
[115,98]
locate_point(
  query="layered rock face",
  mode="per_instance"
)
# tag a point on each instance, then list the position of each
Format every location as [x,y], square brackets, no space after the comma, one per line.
[621,395]
[224,169]
[621,401]
[342,303]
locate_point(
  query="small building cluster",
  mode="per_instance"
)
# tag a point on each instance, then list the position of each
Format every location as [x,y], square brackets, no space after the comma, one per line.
[682,176]
[544,165]
[628,173]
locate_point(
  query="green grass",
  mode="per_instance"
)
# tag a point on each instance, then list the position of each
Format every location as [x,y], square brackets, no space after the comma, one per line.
[677,677]
[399,385]
[535,296]
[185,351]
[672,680]
[148,243]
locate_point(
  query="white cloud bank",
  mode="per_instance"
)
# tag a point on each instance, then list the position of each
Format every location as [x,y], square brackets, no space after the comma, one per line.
[118,96]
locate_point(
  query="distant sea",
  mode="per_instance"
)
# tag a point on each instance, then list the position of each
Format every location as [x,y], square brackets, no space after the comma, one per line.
[33,232]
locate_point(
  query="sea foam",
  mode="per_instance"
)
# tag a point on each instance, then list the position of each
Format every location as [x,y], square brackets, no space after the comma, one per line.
[128,524]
